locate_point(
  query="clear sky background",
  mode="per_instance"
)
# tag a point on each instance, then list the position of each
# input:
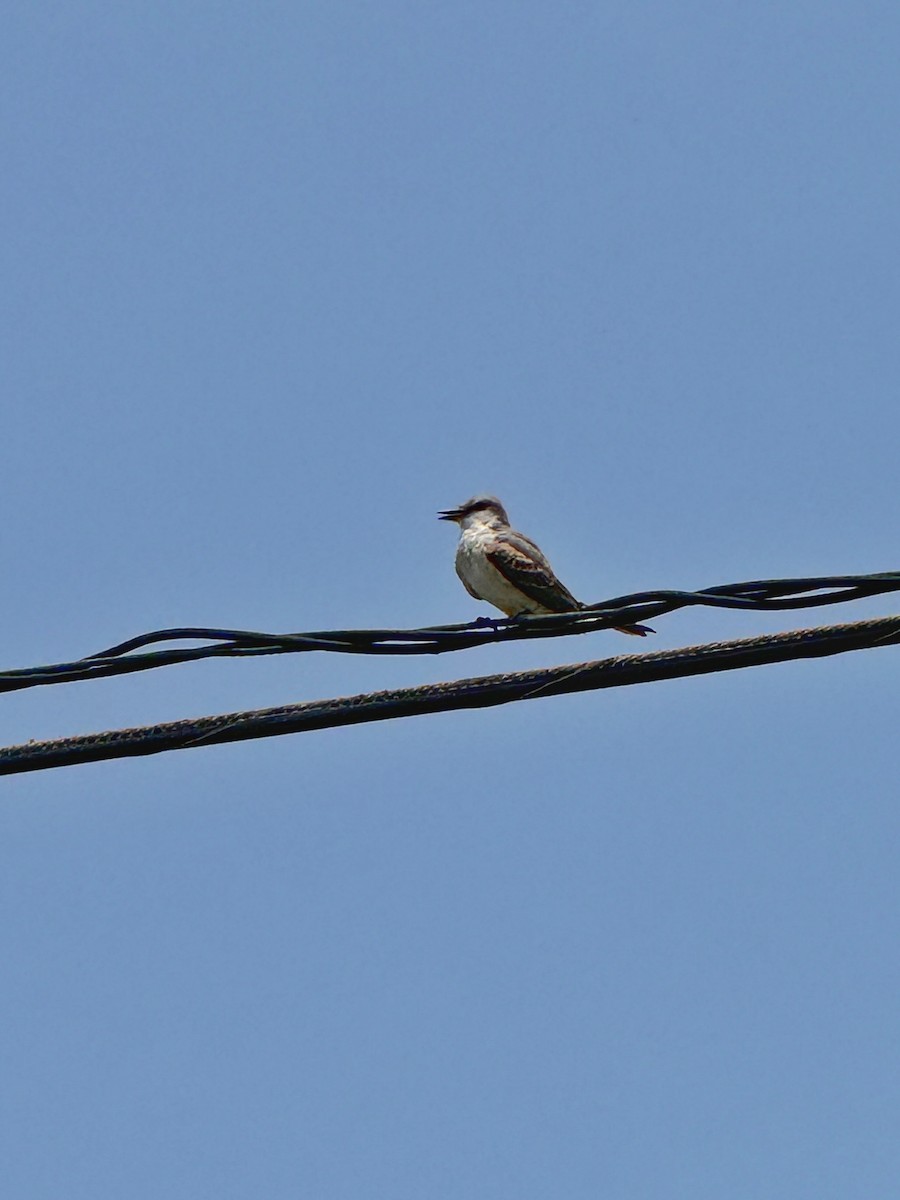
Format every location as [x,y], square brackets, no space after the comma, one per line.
[280,281]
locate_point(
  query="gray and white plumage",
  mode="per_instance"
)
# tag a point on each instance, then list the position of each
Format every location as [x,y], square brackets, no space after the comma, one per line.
[504,567]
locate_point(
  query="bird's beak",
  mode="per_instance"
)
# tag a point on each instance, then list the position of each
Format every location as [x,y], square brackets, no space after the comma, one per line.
[451,514]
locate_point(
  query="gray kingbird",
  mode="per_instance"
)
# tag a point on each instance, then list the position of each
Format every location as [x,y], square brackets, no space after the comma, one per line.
[505,568]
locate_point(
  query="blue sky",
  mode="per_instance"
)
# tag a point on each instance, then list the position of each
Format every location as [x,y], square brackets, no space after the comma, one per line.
[281,281]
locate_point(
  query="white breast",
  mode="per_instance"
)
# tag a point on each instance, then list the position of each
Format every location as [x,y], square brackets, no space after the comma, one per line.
[483,579]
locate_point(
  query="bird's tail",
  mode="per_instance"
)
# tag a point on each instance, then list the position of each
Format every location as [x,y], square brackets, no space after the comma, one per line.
[635,630]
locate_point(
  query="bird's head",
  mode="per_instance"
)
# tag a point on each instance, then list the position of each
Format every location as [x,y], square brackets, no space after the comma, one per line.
[485,509]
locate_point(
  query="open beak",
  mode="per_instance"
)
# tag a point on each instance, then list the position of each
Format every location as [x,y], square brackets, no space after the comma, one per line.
[450,514]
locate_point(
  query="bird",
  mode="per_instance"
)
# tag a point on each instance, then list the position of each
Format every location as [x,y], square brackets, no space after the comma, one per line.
[505,568]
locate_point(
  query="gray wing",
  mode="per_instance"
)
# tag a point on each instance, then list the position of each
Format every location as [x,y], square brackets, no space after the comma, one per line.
[520,562]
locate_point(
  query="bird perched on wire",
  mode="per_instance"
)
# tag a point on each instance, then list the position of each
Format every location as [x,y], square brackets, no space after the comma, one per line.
[505,568]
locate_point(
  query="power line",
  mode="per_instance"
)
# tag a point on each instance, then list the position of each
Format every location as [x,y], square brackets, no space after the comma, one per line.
[483,692]
[756,595]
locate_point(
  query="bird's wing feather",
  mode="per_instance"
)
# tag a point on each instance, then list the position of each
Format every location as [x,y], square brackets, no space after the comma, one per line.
[523,565]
